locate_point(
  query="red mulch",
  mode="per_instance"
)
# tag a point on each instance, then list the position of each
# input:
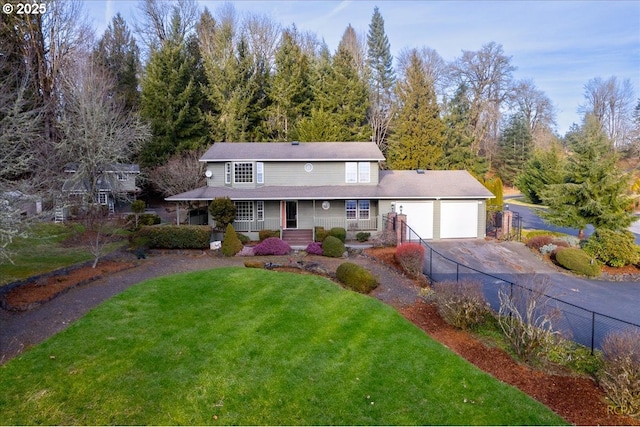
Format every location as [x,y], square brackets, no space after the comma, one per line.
[578,400]
[32,294]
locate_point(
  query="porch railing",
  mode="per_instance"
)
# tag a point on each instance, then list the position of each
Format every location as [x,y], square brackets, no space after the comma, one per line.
[348,224]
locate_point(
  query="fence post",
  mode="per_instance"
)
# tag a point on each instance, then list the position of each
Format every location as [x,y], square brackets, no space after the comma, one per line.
[430,263]
[593,330]
[457,272]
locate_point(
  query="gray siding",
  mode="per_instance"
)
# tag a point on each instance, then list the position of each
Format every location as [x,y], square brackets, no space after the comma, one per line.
[287,173]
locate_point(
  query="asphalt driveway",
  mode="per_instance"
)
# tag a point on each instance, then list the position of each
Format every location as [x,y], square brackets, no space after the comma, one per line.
[504,262]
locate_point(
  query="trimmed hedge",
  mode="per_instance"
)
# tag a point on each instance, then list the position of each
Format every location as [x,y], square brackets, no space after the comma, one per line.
[143,219]
[176,236]
[320,233]
[339,232]
[577,261]
[333,247]
[356,277]
[363,236]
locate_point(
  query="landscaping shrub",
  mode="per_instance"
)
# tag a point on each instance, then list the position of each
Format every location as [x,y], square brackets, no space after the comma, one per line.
[548,249]
[568,353]
[265,234]
[363,236]
[272,246]
[613,248]
[526,317]
[143,219]
[320,234]
[333,247]
[176,236]
[223,211]
[461,304]
[244,239]
[537,242]
[314,248]
[338,232]
[410,256]
[578,261]
[356,277]
[231,245]
[620,374]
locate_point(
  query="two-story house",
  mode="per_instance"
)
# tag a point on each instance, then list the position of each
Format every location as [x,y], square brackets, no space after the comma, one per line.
[298,186]
[114,182]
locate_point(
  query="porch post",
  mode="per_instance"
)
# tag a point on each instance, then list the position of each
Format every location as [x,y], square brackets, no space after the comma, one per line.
[177,213]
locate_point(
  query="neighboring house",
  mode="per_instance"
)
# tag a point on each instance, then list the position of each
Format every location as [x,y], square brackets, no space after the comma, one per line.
[115,181]
[298,186]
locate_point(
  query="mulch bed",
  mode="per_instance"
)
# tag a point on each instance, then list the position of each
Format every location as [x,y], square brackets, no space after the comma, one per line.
[33,294]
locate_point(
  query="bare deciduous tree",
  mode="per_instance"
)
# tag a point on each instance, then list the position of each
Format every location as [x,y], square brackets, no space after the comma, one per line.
[154,23]
[97,134]
[183,172]
[610,102]
[488,75]
[537,109]
[262,35]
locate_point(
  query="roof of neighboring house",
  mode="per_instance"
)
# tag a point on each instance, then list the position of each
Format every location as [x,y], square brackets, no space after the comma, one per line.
[292,152]
[110,168]
[393,185]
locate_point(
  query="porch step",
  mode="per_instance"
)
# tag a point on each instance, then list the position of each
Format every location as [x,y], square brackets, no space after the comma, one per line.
[297,237]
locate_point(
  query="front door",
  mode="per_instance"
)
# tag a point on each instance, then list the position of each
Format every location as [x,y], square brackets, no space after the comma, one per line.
[291,214]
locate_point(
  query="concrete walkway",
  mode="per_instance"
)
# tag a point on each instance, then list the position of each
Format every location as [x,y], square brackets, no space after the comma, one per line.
[614,302]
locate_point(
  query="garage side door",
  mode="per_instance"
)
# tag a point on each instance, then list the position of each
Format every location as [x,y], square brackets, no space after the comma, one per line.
[419,217]
[458,220]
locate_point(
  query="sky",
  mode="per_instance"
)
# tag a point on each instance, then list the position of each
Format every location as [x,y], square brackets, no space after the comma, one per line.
[559,45]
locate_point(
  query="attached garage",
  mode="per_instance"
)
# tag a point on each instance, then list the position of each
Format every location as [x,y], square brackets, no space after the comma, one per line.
[459,219]
[419,217]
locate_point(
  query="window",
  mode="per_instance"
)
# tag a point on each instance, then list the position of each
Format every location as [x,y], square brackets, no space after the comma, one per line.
[102,198]
[363,209]
[351,209]
[121,176]
[364,172]
[351,172]
[358,209]
[244,211]
[260,172]
[260,210]
[227,173]
[243,172]
[357,172]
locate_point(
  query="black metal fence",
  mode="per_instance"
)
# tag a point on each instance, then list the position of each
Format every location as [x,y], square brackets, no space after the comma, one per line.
[583,326]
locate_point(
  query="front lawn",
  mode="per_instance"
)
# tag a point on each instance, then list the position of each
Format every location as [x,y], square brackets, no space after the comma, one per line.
[251,347]
[44,250]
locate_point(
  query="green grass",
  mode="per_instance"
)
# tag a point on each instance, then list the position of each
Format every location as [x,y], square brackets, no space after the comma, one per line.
[252,347]
[42,251]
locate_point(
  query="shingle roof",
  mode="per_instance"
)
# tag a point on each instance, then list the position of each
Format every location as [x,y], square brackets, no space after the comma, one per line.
[109,168]
[287,151]
[392,185]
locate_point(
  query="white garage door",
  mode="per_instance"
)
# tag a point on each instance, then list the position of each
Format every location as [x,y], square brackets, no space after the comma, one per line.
[419,218]
[458,220]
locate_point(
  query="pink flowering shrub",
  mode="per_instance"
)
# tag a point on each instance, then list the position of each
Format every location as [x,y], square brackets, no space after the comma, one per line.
[410,256]
[314,248]
[272,246]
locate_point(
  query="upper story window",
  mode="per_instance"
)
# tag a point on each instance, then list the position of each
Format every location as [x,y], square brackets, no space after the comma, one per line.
[121,176]
[357,172]
[243,172]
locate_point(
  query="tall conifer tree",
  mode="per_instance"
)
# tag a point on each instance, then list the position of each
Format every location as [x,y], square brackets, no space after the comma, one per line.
[381,79]
[419,133]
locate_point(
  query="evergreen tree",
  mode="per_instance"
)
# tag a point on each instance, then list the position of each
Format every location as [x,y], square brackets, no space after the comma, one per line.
[290,91]
[514,148]
[340,96]
[593,191]
[458,146]
[419,133]
[381,79]
[171,101]
[544,168]
[118,53]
